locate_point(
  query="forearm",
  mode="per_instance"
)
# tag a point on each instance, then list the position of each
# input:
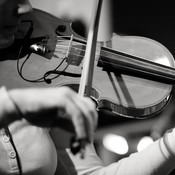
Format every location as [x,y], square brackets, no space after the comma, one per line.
[154,160]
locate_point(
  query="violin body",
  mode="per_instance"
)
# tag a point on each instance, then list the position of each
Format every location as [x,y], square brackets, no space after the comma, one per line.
[59,63]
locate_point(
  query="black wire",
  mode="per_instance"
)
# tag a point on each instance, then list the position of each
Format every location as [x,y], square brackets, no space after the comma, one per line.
[44,78]
[27,36]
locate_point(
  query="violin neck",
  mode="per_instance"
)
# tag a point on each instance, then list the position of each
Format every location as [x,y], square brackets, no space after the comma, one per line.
[119,62]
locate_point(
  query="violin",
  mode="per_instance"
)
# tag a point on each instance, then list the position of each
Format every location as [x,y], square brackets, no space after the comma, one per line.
[133,76]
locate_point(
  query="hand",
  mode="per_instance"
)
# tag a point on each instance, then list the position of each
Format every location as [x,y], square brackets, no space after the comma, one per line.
[57,107]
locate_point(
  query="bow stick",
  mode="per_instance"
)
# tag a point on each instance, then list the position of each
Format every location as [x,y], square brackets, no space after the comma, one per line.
[88,67]
[89,58]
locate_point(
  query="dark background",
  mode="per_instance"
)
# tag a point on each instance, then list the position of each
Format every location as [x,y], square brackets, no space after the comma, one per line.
[154,19]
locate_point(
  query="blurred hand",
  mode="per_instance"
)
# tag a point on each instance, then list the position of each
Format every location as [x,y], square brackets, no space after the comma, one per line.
[58,107]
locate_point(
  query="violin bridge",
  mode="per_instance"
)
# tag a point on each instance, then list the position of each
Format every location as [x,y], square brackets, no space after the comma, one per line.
[75,52]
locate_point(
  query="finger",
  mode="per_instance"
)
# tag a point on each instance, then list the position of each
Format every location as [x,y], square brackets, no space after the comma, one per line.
[73,113]
[79,124]
[88,110]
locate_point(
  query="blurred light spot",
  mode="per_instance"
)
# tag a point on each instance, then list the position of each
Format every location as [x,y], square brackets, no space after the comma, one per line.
[144,142]
[115,143]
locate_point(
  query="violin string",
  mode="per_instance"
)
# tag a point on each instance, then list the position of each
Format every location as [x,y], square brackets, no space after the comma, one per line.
[63,44]
[81,42]
[61,51]
[83,50]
